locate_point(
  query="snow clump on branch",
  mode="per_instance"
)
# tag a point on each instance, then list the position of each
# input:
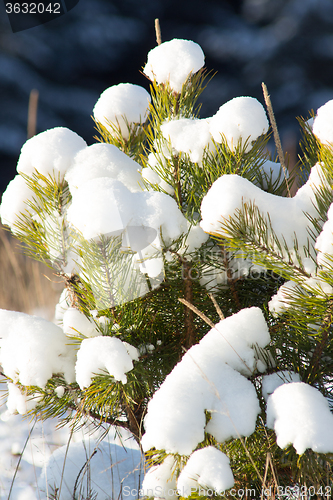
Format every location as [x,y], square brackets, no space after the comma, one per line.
[160,482]
[105,205]
[324,242]
[300,415]
[282,300]
[241,119]
[17,402]
[274,380]
[122,106]
[206,468]
[101,353]
[173,62]
[32,349]
[50,152]
[287,216]
[188,135]
[76,323]
[103,160]
[15,201]
[323,123]
[206,379]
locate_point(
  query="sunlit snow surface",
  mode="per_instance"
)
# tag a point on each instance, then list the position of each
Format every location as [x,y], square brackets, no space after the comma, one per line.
[207,467]
[173,62]
[121,106]
[209,378]
[300,415]
[287,215]
[33,349]
[50,151]
[109,466]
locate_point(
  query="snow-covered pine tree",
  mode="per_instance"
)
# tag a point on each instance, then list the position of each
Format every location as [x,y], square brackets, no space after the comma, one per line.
[197,303]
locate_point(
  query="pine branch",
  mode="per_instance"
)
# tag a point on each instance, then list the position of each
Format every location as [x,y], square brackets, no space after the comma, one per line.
[43,230]
[190,335]
[231,281]
[133,146]
[109,271]
[176,175]
[252,233]
[321,344]
[134,421]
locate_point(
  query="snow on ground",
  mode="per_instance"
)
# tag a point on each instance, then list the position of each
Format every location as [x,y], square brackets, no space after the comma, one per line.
[117,461]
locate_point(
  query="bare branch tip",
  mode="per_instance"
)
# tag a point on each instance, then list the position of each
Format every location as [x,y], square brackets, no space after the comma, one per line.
[276,134]
[32,113]
[217,307]
[158,32]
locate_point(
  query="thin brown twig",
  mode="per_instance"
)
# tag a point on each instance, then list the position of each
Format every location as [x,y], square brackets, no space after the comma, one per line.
[318,351]
[196,310]
[273,469]
[231,281]
[32,113]
[265,477]
[269,465]
[275,133]
[188,313]
[158,32]
[212,325]
[217,307]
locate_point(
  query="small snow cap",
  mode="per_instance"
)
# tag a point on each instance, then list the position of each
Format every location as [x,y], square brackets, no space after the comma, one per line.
[241,118]
[51,151]
[120,104]
[174,61]
[14,201]
[323,123]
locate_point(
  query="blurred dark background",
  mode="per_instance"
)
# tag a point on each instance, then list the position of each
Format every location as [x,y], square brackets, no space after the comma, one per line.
[288,44]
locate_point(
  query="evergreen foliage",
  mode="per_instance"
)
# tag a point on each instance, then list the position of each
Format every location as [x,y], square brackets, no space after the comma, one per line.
[157,323]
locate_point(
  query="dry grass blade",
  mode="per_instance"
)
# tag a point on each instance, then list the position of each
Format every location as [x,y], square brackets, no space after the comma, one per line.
[18,463]
[269,465]
[25,285]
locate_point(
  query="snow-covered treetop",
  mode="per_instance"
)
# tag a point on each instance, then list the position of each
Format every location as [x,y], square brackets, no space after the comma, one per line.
[173,62]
